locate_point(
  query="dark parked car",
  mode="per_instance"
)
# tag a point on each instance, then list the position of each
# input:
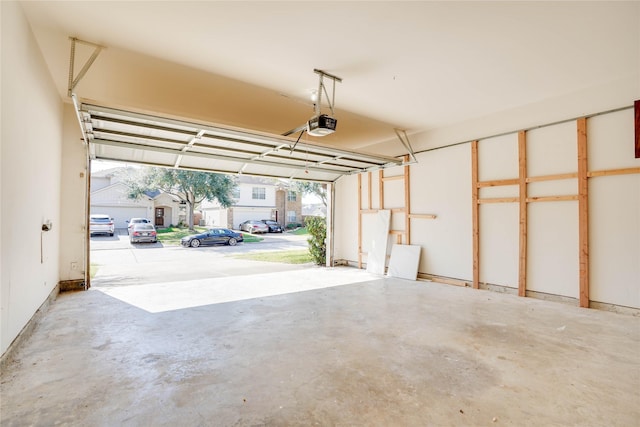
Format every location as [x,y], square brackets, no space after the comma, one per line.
[274,227]
[213,236]
[143,232]
[252,226]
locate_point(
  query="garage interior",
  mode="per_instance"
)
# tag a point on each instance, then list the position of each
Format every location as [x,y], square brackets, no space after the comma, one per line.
[499,137]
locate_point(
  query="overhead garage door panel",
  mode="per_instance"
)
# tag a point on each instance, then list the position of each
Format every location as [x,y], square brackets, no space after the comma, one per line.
[122,135]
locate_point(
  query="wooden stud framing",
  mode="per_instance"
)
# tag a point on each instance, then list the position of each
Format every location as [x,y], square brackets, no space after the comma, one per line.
[369,190]
[381,188]
[393,178]
[626,171]
[522,182]
[583,211]
[359,220]
[553,198]
[475,214]
[498,182]
[499,200]
[422,216]
[407,203]
[552,177]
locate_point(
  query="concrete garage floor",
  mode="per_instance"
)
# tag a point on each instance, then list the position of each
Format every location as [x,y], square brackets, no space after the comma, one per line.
[365,351]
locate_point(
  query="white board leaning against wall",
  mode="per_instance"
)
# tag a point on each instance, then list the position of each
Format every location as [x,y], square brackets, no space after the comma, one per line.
[377,256]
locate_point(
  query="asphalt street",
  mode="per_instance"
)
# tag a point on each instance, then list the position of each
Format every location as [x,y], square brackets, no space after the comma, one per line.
[122,263]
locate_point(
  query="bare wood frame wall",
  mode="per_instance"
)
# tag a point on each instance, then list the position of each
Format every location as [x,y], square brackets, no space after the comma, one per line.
[583,175]
[402,236]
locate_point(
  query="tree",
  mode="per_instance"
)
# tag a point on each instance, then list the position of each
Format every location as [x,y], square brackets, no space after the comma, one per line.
[314,188]
[191,187]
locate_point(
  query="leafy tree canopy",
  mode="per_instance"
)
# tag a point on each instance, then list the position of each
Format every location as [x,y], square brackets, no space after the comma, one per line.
[314,188]
[191,187]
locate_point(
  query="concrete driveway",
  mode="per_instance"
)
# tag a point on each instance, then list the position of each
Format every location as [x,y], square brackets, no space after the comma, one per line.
[122,263]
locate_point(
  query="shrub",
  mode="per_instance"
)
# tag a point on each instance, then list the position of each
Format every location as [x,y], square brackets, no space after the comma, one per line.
[317,228]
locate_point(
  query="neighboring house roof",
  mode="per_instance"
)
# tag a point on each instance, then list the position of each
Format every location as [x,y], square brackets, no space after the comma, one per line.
[246,179]
[106,173]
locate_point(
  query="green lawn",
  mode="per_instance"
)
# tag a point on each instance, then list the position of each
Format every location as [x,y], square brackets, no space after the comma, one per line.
[299,231]
[93,269]
[172,235]
[288,257]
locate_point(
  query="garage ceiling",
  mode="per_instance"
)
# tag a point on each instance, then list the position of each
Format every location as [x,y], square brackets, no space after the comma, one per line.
[121,135]
[425,67]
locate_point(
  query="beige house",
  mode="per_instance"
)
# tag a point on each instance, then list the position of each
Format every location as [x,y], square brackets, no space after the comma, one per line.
[255,199]
[109,196]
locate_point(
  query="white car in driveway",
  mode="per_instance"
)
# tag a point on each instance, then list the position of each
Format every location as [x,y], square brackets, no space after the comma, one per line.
[101,224]
[253,227]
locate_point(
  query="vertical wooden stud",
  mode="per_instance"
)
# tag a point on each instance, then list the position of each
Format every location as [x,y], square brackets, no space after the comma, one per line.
[522,179]
[475,214]
[369,190]
[583,211]
[381,188]
[407,203]
[359,220]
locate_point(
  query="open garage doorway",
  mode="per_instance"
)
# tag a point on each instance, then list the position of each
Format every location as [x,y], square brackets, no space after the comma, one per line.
[138,138]
[121,259]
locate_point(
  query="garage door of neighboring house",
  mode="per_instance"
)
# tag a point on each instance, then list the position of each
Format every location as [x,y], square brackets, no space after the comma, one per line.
[120,214]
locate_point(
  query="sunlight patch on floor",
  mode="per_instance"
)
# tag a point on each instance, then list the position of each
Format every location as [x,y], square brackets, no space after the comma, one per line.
[160,297]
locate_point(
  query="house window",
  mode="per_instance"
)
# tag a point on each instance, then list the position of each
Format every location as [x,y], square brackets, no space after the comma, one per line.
[258,193]
[235,193]
[291,196]
[291,216]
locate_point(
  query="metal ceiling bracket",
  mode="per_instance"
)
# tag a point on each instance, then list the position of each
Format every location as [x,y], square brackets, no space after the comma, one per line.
[73,81]
[404,139]
[322,88]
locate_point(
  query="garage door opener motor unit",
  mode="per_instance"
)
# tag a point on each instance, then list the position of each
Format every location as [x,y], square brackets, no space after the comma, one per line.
[320,124]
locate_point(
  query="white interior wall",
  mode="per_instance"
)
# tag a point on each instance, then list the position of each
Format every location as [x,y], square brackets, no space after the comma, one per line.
[552,233]
[31,171]
[499,222]
[72,197]
[552,241]
[345,221]
[614,205]
[441,185]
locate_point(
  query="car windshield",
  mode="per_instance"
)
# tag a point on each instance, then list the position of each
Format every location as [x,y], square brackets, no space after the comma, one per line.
[100,219]
[144,227]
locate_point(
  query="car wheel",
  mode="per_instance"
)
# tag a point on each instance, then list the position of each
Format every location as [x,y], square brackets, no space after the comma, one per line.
[111,234]
[195,243]
[232,242]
